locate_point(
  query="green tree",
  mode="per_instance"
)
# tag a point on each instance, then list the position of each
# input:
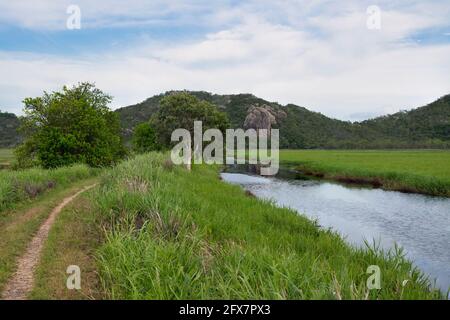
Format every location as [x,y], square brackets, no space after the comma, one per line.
[144,138]
[70,126]
[180,110]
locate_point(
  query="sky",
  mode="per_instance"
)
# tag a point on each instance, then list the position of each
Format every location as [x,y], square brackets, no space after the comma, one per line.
[350,60]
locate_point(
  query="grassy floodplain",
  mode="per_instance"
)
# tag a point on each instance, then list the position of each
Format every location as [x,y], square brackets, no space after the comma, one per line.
[421,171]
[174,234]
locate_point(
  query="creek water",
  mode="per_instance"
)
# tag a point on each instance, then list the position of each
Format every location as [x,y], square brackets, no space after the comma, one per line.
[420,224]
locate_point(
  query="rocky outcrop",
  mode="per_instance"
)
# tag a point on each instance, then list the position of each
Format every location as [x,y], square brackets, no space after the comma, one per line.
[262,117]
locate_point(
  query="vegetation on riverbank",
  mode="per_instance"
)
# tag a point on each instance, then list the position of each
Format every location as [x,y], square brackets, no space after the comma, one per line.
[174,234]
[420,171]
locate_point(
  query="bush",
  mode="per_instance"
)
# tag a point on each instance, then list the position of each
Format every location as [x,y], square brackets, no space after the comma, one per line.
[144,138]
[71,126]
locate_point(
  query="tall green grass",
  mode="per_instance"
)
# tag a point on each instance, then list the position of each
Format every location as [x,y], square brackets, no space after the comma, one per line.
[6,157]
[174,234]
[423,171]
[21,185]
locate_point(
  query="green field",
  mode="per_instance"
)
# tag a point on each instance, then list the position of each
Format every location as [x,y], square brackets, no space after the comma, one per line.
[422,171]
[6,157]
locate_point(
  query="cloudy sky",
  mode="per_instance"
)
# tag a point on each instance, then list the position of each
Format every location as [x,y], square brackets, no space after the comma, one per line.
[318,54]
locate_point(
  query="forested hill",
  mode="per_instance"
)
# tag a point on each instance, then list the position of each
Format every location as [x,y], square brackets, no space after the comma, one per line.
[424,127]
[428,125]
[8,130]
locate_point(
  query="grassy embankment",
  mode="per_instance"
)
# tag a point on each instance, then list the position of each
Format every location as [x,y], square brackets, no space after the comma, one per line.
[167,233]
[26,201]
[22,185]
[424,171]
[6,157]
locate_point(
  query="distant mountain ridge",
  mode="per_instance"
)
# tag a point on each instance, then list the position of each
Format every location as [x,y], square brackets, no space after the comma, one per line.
[424,127]
[8,130]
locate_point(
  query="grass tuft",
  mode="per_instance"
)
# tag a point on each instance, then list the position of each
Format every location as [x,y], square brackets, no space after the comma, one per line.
[22,185]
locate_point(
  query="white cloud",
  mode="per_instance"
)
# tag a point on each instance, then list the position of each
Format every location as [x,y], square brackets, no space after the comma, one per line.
[51,14]
[327,62]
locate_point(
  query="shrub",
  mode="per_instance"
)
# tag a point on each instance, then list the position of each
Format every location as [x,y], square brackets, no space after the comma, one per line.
[144,138]
[71,126]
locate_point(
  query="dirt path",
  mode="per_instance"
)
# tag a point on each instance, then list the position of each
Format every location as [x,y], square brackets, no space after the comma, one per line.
[21,283]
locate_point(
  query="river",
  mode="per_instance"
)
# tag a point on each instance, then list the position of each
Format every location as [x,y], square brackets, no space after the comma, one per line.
[420,224]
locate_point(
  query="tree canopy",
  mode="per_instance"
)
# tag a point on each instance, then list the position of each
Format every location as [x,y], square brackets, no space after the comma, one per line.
[70,126]
[144,138]
[180,110]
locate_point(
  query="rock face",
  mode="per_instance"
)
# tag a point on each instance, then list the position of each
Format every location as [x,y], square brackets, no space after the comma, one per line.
[260,117]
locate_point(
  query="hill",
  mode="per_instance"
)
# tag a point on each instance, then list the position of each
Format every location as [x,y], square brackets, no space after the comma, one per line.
[8,130]
[421,127]
[300,128]
[424,127]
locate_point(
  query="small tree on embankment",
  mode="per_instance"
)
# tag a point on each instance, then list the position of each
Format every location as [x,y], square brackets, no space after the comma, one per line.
[181,110]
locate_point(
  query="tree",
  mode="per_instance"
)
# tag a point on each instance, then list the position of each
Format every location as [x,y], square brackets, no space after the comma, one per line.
[70,126]
[180,110]
[144,138]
